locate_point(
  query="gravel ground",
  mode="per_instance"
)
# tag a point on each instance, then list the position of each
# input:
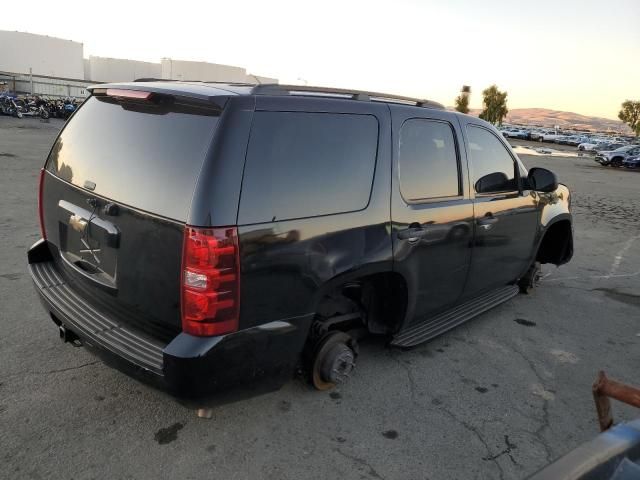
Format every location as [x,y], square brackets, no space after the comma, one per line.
[496,398]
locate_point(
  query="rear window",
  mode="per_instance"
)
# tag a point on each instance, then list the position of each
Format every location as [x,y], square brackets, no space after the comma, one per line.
[307,164]
[145,157]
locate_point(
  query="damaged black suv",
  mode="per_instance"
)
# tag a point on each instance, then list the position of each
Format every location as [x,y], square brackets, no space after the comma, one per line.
[212,236]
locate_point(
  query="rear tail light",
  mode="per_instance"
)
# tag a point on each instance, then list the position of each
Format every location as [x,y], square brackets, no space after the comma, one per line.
[210,283]
[40,206]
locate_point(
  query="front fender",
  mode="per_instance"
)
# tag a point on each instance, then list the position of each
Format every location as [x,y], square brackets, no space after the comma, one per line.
[556,206]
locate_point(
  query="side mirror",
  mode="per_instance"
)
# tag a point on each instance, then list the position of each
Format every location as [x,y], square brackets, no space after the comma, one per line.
[542,180]
[493,182]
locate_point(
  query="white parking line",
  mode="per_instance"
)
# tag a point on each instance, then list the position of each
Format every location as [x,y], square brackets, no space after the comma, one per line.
[617,260]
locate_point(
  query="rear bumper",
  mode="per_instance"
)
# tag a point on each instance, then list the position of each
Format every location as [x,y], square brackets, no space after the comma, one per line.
[250,361]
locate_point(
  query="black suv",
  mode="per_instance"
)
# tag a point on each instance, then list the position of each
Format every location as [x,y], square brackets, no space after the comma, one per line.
[209,236]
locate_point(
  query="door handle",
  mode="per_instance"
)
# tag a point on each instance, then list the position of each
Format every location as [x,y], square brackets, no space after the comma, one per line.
[487,222]
[79,219]
[412,233]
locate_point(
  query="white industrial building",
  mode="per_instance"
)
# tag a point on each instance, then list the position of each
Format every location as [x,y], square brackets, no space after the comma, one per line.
[103,69]
[25,52]
[185,70]
[49,62]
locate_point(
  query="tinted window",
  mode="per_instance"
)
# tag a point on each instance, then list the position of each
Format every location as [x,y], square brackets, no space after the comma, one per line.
[307,164]
[493,166]
[428,164]
[148,159]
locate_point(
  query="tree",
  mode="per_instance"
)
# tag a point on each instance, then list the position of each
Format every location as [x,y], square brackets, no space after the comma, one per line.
[630,114]
[495,105]
[462,103]
[462,100]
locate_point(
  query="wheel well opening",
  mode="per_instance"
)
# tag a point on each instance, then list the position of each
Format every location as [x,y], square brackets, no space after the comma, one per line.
[380,300]
[557,244]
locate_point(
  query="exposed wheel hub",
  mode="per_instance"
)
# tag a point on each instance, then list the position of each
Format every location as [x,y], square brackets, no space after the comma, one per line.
[338,364]
[334,360]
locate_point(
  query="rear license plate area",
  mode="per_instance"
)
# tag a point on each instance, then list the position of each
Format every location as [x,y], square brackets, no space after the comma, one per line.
[88,243]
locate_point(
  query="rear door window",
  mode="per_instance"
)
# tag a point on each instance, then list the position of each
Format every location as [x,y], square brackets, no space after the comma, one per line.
[307,164]
[148,158]
[428,162]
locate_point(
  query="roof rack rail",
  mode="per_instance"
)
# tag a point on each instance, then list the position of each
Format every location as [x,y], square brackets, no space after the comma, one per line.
[151,79]
[239,84]
[278,89]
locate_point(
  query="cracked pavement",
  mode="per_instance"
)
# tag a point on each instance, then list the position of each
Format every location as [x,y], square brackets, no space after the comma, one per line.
[496,398]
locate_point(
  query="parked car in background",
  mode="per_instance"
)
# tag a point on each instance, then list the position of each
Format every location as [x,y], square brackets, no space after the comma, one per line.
[586,145]
[535,134]
[632,162]
[548,136]
[576,140]
[607,147]
[615,157]
[567,140]
[516,133]
[622,139]
[591,145]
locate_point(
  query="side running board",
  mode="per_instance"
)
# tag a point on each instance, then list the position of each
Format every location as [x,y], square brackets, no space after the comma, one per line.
[432,327]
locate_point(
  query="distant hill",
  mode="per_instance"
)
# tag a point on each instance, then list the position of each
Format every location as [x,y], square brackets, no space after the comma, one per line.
[545,117]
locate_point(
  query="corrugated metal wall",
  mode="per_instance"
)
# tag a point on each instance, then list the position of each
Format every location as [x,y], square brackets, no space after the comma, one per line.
[22,84]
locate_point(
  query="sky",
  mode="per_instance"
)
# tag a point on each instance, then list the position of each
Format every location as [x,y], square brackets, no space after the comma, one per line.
[579,56]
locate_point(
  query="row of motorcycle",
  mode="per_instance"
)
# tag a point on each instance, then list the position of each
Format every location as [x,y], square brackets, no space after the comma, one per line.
[37,106]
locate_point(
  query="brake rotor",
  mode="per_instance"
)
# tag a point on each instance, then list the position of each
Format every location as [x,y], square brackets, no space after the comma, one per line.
[334,360]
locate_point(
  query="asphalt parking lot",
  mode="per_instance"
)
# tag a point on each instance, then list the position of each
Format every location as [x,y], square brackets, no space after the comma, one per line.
[499,397]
